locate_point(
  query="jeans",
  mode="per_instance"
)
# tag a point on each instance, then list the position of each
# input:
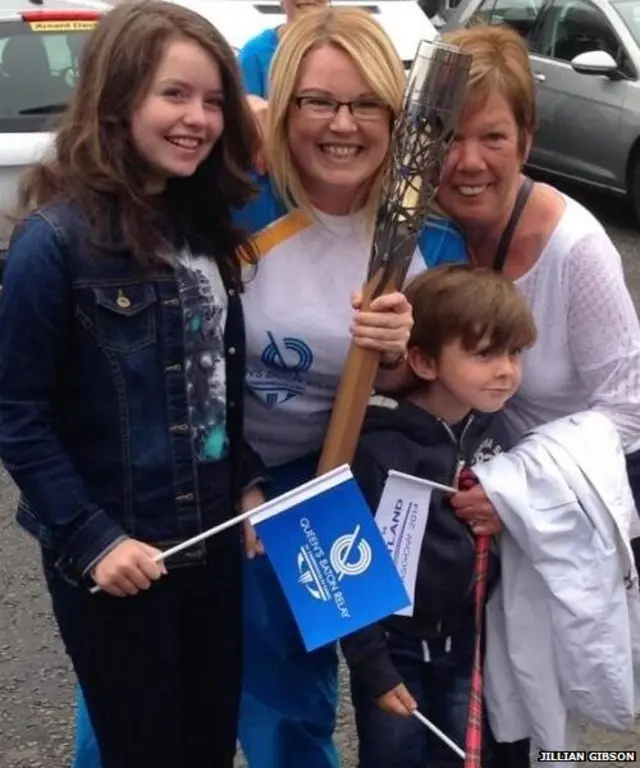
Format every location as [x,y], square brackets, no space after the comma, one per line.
[160,672]
[289,696]
[438,676]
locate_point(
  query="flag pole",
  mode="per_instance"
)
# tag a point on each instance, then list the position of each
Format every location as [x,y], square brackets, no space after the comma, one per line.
[200,537]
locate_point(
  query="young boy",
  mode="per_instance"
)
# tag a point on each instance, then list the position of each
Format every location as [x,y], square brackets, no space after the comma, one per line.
[470,327]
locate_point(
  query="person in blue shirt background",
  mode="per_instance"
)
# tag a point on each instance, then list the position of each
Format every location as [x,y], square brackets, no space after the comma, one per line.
[255,56]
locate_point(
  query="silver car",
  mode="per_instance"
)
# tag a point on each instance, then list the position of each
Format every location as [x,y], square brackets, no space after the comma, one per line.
[585,56]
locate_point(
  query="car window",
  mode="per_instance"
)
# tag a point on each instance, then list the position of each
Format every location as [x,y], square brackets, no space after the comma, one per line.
[519,14]
[571,27]
[629,11]
[38,70]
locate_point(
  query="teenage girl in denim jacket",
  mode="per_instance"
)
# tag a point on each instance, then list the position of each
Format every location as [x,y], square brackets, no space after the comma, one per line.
[121,379]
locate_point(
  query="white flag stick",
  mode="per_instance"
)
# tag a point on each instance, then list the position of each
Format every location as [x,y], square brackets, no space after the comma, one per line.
[304,491]
[440,486]
[424,481]
[200,537]
[419,716]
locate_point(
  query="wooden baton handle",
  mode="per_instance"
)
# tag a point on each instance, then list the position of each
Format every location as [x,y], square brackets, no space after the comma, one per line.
[354,391]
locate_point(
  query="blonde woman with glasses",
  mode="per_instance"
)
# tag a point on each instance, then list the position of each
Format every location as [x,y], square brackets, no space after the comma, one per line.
[336,85]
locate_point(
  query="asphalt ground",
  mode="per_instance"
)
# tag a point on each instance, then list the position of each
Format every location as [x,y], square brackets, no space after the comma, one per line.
[36,684]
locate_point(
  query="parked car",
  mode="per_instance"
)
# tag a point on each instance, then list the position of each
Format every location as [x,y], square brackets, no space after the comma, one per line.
[585,56]
[39,46]
[239,20]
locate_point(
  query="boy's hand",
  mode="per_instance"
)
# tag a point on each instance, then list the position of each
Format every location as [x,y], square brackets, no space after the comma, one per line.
[398,701]
[250,500]
[128,568]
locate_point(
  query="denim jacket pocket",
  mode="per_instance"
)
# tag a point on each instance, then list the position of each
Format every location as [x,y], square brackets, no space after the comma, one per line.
[125,318]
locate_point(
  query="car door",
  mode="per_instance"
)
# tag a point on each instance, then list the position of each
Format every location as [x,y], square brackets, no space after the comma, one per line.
[579,114]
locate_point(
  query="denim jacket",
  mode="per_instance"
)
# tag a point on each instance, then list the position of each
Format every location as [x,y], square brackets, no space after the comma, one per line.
[94,422]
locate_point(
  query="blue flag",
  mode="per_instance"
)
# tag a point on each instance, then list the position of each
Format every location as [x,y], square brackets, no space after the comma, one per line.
[330,558]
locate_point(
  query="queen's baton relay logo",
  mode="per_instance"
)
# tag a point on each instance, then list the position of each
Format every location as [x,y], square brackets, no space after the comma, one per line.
[321,574]
[285,362]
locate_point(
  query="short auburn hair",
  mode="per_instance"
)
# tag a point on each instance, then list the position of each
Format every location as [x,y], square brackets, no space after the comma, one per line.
[499,63]
[475,305]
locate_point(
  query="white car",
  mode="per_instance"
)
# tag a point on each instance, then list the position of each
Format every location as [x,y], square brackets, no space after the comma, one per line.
[39,45]
[240,20]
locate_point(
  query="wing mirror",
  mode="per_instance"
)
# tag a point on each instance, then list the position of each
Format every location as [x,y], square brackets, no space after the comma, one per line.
[595,63]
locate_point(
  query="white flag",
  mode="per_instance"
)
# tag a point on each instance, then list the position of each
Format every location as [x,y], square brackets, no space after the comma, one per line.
[402,518]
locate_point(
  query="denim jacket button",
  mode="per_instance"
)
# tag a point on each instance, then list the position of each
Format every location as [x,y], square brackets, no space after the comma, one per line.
[232,291]
[231,404]
[231,350]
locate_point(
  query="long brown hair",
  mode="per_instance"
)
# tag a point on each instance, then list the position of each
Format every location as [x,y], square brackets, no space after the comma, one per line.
[95,163]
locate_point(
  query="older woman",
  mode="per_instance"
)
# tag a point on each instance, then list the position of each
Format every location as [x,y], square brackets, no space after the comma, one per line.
[560,257]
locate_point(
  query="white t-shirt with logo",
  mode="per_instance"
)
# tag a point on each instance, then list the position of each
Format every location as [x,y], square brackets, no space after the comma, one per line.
[298,313]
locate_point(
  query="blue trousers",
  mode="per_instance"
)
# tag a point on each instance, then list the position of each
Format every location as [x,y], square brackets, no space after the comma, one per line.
[438,675]
[87,754]
[290,697]
[440,682]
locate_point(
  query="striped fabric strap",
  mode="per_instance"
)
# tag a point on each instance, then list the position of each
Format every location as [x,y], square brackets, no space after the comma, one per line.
[473,737]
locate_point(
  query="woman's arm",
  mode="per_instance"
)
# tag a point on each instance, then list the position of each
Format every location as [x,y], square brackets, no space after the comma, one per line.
[36,309]
[604,333]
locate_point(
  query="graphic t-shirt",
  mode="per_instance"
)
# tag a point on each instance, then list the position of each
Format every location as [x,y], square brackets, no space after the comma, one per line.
[204,306]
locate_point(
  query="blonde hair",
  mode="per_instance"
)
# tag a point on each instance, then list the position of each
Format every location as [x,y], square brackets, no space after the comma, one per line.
[355,32]
[500,62]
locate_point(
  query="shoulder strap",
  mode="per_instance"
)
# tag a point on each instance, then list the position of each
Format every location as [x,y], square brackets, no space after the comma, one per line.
[505,241]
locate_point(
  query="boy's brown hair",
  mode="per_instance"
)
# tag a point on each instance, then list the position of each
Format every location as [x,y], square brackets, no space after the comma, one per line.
[479,306]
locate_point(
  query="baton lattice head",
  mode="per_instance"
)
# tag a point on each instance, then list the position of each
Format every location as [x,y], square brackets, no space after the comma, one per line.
[422,135]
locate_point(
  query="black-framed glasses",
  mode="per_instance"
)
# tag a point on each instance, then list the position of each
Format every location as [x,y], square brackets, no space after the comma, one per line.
[324,107]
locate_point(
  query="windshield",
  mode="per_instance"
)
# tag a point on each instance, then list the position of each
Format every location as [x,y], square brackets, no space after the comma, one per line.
[38,70]
[629,11]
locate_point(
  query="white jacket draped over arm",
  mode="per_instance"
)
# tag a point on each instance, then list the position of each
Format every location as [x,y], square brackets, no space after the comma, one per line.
[563,626]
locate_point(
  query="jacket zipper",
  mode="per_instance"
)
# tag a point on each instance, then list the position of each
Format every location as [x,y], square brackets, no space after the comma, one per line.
[460,462]
[459,466]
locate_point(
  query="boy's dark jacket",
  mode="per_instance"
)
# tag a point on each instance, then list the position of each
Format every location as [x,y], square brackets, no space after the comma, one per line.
[402,436]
